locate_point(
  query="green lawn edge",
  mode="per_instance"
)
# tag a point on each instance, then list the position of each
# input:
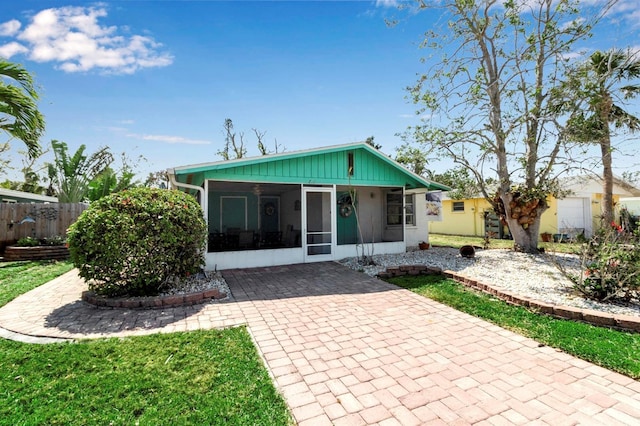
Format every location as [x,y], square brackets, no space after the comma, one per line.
[17,278]
[457,241]
[612,349]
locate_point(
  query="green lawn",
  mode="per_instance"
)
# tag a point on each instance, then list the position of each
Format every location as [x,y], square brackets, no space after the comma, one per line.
[458,241]
[204,377]
[17,278]
[612,349]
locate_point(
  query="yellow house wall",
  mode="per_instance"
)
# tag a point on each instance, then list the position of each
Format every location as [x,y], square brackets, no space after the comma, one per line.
[471,221]
[549,219]
[596,209]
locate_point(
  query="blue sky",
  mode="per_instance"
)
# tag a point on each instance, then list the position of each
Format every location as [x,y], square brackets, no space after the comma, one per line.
[158,78]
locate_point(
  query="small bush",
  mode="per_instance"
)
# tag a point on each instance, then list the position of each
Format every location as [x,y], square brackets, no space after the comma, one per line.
[137,241]
[28,242]
[56,240]
[610,265]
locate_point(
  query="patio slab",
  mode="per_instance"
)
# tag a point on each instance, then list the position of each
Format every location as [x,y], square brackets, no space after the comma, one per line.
[344,348]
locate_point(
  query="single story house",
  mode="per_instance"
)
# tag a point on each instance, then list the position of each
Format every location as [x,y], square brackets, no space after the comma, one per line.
[11,196]
[577,213]
[306,206]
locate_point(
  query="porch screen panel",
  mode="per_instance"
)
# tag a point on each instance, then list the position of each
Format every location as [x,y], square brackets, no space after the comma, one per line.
[233,213]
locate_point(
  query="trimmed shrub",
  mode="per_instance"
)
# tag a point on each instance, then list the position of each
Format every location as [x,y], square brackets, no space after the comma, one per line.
[139,241]
[56,240]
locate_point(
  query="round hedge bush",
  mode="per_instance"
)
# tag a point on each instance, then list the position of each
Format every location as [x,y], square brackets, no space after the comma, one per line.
[136,242]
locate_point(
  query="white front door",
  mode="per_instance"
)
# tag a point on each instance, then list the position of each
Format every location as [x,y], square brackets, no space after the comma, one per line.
[318,224]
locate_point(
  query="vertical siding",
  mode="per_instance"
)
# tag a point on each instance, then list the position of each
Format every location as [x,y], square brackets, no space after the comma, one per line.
[321,168]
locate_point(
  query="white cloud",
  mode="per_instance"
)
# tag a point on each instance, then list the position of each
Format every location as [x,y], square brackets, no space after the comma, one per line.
[634,52]
[387,3]
[10,28]
[12,48]
[574,55]
[74,39]
[627,11]
[169,139]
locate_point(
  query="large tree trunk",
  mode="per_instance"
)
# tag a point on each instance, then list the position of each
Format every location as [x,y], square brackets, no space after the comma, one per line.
[523,219]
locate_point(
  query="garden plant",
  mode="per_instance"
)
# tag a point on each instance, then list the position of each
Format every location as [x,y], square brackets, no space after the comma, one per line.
[610,265]
[139,241]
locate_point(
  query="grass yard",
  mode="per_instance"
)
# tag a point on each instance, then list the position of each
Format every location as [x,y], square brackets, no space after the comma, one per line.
[205,377]
[201,377]
[17,278]
[458,241]
[612,349]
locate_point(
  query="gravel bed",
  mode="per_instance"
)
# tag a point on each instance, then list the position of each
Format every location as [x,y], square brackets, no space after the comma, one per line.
[199,282]
[533,276]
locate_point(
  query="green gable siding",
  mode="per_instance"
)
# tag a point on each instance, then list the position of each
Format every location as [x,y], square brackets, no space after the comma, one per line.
[322,166]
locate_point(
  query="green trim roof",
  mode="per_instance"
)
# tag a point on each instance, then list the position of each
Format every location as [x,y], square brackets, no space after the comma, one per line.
[327,165]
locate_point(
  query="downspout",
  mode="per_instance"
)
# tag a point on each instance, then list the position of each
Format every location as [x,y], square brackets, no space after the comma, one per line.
[176,184]
[205,213]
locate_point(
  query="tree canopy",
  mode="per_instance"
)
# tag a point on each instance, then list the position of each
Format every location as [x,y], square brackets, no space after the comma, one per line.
[606,81]
[490,98]
[19,114]
[234,146]
[71,174]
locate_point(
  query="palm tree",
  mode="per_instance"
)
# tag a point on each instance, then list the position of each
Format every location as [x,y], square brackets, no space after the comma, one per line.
[602,85]
[19,115]
[70,175]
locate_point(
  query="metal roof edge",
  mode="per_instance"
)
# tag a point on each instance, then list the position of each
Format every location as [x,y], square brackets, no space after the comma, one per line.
[22,194]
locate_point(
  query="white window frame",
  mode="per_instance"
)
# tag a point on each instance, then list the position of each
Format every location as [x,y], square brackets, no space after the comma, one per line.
[410,218]
[396,213]
[453,206]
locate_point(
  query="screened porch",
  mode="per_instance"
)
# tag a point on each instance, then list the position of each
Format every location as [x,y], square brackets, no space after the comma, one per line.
[258,216]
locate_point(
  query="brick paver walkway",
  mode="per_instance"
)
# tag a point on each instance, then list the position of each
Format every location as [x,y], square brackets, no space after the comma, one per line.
[346,349]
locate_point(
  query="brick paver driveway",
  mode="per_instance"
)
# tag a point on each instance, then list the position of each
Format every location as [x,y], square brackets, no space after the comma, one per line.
[347,349]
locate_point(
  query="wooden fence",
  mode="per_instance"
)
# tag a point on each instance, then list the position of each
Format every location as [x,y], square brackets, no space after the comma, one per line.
[37,220]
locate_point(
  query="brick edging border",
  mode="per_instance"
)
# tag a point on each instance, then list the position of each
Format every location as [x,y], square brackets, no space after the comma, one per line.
[598,318]
[153,302]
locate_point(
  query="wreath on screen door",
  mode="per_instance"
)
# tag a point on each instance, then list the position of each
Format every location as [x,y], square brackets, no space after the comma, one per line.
[346,205]
[346,210]
[269,209]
